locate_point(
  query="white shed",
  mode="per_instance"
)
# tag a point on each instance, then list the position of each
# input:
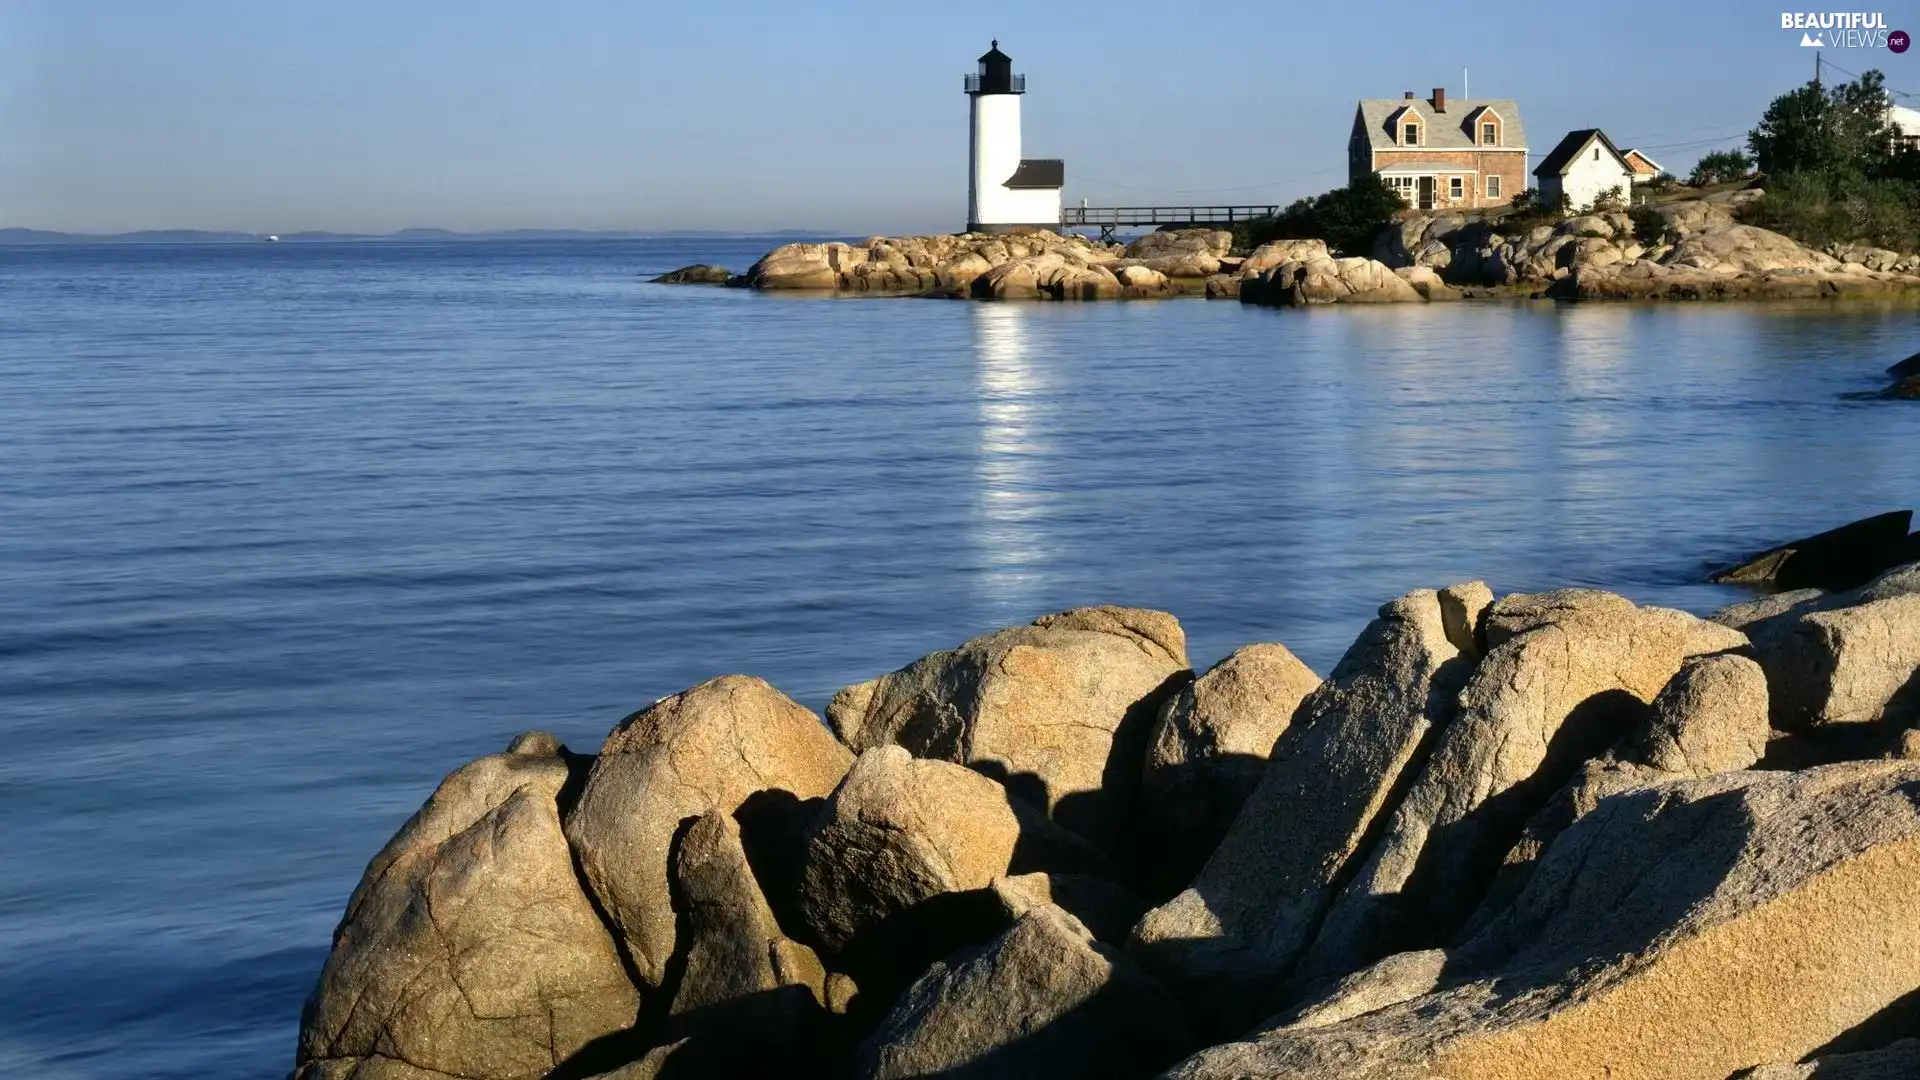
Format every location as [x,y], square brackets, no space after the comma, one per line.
[1584,167]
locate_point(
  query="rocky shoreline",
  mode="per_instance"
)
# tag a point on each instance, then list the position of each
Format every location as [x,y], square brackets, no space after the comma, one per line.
[1540,835]
[1688,250]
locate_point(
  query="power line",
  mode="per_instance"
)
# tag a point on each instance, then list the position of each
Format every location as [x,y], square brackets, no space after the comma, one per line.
[1857,75]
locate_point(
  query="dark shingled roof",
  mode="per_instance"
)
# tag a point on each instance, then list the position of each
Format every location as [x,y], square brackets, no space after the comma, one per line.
[1451,130]
[1557,160]
[1039,173]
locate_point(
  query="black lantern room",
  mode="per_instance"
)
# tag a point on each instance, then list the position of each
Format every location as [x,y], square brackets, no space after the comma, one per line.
[996,75]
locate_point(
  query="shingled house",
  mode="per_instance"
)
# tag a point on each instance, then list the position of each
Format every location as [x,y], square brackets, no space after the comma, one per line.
[1441,154]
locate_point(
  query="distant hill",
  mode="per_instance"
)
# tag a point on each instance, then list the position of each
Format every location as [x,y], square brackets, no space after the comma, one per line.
[148,236]
[18,236]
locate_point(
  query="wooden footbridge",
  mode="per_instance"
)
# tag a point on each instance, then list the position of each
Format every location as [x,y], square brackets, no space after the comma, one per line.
[1109,219]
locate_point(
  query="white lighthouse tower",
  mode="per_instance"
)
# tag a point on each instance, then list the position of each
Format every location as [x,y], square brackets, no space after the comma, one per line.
[1005,192]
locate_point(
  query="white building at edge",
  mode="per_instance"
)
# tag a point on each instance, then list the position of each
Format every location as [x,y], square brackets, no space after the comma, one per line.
[1906,126]
[1006,192]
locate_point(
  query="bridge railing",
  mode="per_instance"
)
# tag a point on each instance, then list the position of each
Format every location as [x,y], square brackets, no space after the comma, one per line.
[1111,216]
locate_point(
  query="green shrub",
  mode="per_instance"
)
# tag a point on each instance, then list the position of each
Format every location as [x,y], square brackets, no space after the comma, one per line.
[1347,218]
[1720,167]
[1609,201]
[1818,209]
[1649,228]
[1527,210]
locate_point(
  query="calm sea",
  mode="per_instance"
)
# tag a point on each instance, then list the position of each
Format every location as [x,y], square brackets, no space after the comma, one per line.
[287,532]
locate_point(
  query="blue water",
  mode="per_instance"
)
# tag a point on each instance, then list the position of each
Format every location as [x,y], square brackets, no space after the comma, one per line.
[287,532]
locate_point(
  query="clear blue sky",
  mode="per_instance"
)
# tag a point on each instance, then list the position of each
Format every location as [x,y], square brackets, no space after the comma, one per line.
[278,116]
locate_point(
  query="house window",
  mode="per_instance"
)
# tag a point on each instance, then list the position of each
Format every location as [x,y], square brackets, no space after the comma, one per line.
[1456,188]
[1402,186]
[1596,153]
[1410,135]
[1489,134]
[1493,187]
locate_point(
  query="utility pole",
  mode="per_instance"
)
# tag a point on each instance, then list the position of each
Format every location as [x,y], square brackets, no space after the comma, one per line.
[1816,67]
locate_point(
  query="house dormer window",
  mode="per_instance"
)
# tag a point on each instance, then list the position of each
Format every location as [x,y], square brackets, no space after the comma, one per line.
[1410,134]
[1489,134]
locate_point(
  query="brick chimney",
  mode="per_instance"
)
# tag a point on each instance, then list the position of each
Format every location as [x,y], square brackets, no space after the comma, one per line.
[1439,99]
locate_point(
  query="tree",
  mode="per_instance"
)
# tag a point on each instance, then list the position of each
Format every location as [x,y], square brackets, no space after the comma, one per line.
[1834,130]
[1720,167]
[1346,218]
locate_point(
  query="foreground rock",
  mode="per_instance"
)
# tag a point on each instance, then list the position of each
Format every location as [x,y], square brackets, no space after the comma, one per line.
[1843,558]
[469,948]
[900,831]
[1686,930]
[1549,804]
[697,274]
[1566,675]
[1044,1000]
[732,744]
[746,993]
[1710,718]
[1058,711]
[1899,1061]
[1224,943]
[1209,747]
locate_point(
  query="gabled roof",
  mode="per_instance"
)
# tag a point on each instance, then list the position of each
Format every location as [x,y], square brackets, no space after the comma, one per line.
[1450,130]
[1653,168]
[1561,156]
[1038,173]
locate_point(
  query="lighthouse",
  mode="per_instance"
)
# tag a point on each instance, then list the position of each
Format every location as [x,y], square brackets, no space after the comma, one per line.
[1006,192]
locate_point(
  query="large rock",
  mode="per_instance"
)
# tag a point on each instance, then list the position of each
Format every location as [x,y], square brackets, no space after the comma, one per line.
[1107,910]
[1274,252]
[901,830]
[1209,747]
[1843,558]
[1898,1061]
[1710,718]
[1566,675]
[1833,662]
[1044,1000]
[746,994]
[920,264]
[1155,245]
[1226,941]
[735,947]
[1678,932]
[1056,275]
[697,274]
[733,744]
[1184,253]
[469,948]
[1059,711]
[1326,280]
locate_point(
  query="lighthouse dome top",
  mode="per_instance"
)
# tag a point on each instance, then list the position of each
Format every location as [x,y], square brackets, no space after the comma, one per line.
[995,75]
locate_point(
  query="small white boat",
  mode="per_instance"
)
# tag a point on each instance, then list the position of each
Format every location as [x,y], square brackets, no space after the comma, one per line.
[273,239]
